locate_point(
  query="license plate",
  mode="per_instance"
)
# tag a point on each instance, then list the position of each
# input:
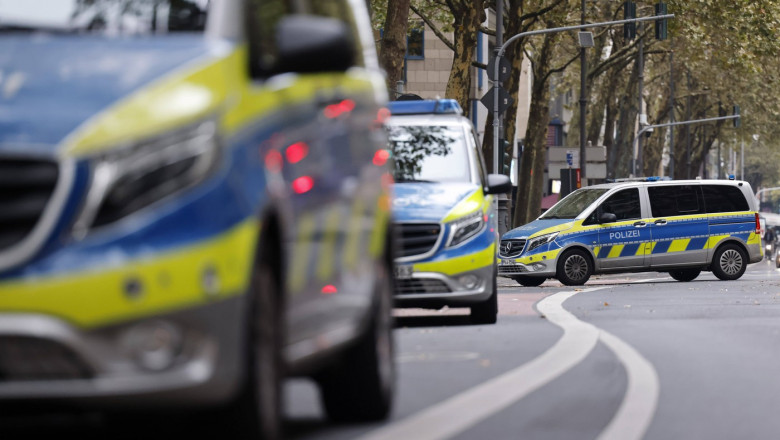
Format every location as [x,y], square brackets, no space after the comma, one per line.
[507,263]
[403,271]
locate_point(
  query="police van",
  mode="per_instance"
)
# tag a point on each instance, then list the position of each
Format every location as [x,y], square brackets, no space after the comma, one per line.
[443,210]
[680,227]
[194,203]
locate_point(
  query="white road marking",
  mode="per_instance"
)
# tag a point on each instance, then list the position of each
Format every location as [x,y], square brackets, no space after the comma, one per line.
[464,410]
[468,408]
[641,399]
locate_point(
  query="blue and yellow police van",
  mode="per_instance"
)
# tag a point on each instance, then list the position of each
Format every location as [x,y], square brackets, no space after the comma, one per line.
[194,203]
[443,210]
[681,227]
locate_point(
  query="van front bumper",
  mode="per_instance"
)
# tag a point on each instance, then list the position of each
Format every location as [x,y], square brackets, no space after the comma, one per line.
[436,289]
[541,264]
[44,358]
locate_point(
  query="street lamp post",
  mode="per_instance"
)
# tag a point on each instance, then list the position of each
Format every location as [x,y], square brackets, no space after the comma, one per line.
[502,50]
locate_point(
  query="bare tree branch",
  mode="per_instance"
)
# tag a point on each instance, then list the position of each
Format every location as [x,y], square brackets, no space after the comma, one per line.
[434,28]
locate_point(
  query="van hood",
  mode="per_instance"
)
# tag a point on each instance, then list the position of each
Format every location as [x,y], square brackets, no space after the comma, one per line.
[52,84]
[535,226]
[429,202]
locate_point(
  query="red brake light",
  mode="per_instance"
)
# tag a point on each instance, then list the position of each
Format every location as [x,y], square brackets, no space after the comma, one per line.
[296,152]
[758,225]
[302,184]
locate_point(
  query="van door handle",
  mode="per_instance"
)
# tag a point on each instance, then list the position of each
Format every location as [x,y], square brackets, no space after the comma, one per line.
[640,224]
[660,222]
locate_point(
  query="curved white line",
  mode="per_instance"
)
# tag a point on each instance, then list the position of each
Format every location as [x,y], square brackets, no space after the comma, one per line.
[468,408]
[641,399]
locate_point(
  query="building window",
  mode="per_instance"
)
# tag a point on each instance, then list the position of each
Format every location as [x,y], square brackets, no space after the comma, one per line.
[415,40]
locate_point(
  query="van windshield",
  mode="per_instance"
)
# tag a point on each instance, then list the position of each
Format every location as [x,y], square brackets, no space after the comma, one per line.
[427,153]
[573,204]
[109,17]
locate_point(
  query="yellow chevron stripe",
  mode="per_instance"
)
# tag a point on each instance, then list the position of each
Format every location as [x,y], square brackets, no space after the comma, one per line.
[679,245]
[648,247]
[615,251]
[297,276]
[714,240]
[354,235]
[326,260]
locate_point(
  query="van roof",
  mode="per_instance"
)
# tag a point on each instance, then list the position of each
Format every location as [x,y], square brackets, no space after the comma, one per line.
[637,183]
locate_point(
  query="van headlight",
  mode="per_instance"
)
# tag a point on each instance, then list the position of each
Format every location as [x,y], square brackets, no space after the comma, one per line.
[132,177]
[540,240]
[466,227]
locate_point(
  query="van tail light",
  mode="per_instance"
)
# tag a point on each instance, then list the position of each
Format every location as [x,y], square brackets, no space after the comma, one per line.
[758,225]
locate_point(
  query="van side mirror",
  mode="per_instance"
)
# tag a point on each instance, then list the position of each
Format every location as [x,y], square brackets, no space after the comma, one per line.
[607,217]
[498,184]
[308,43]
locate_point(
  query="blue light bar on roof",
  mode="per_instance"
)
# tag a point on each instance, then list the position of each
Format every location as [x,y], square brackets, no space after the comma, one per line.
[430,106]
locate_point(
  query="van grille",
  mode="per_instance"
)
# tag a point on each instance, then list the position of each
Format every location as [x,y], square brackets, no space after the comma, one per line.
[25,358]
[413,286]
[417,238]
[26,186]
[511,248]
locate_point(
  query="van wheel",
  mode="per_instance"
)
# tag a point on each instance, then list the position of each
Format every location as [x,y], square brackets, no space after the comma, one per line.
[574,268]
[685,274]
[487,311]
[529,281]
[729,262]
[360,386]
[256,411]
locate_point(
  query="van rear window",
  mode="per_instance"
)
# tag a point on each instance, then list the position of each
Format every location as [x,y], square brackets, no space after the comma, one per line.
[671,200]
[724,198]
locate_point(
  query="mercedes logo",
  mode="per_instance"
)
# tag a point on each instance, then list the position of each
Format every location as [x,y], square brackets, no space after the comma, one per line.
[508,246]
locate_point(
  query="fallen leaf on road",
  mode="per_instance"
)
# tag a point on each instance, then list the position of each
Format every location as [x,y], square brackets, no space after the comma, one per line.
[578,290]
[606,303]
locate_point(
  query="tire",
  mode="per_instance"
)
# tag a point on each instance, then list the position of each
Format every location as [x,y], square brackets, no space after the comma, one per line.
[487,311]
[729,262]
[574,268]
[529,281]
[685,274]
[256,411]
[361,385]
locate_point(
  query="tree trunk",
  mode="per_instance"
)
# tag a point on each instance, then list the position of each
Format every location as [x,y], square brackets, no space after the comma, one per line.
[392,48]
[531,176]
[466,26]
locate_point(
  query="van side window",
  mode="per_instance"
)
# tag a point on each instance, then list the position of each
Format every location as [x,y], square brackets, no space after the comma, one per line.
[624,204]
[724,198]
[671,200]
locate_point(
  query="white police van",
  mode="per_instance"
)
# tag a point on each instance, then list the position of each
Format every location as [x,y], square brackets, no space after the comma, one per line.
[680,227]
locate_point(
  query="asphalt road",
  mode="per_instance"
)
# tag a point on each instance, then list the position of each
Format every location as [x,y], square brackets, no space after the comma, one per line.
[623,357]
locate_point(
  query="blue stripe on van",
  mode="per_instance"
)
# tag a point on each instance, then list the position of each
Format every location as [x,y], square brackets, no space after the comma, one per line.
[629,250]
[604,251]
[697,243]
[661,247]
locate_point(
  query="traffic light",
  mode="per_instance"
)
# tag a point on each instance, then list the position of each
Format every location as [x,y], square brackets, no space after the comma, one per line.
[660,25]
[629,12]
[737,121]
[506,157]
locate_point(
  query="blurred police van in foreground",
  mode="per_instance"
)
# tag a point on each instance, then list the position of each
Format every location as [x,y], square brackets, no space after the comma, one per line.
[192,206]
